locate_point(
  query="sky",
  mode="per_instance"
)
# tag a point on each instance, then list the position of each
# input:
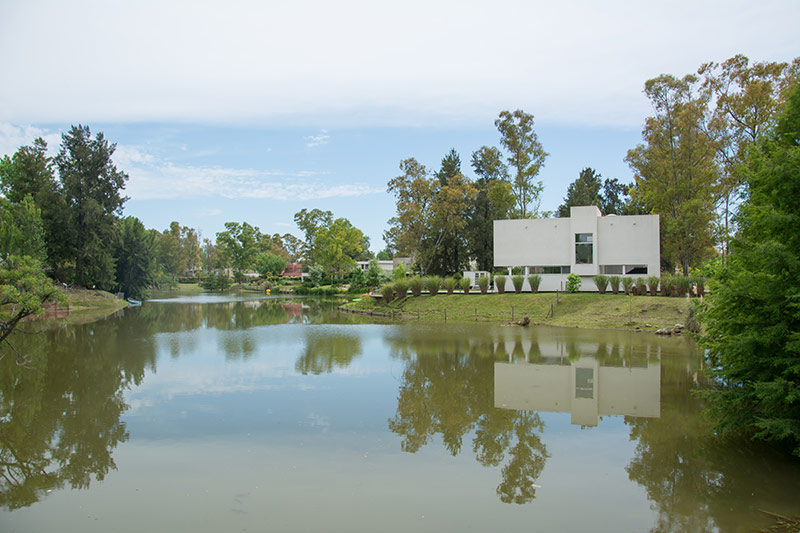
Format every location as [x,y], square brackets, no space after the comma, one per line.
[250,111]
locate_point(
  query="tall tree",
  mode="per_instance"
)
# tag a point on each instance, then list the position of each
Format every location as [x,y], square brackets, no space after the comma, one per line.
[414,191]
[309,223]
[583,191]
[747,100]
[526,156]
[241,244]
[91,185]
[135,257]
[21,230]
[337,246]
[30,172]
[752,320]
[494,200]
[675,170]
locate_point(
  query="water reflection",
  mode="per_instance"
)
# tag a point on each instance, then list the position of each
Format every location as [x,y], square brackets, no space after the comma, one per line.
[60,416]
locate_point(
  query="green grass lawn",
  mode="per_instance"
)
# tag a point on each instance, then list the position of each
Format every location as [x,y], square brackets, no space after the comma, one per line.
[579,309]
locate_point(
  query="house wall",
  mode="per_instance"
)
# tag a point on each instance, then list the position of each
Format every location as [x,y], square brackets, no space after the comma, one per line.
[617,240]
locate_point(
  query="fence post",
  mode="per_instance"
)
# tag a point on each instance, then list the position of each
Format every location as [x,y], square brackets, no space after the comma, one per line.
[512,313]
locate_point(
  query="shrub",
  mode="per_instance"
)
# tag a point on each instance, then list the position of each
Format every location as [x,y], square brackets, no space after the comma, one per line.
[483,284]
[500,284]
[415,284]
[516,271]
[641,286]
[667,284]
[401,289]
[627,284]
[433,284]
[601,282]
[652,284]
[518,281]
[614,282]
[387,291]
[450,284]
[699,282]
[399,272]
[465,285]
[682,285]
[534,280]
[573,282]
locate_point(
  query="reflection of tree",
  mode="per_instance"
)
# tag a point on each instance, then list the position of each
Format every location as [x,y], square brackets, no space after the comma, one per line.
[698,482]
[60,417]
[326,351]
[450,393]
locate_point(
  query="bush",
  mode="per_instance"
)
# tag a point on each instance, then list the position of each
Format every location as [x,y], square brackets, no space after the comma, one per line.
[534,280]
[500,284]
[415,284]
[450,284]
[216,282]
[465,285]
[433,284]
[401,289]
[316,274]
[667,284]
[652,284]
[641,286]
[681,285]
[699,282]
[516,271]
[483,284]
[399,272]
[627,284]
[573,282]
[614,282]
[387,291]
[601,282]
[518,281]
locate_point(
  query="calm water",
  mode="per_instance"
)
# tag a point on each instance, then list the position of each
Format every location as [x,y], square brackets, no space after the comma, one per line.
[223,413]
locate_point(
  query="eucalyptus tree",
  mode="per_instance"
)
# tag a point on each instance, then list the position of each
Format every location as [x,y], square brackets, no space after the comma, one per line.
[526,156]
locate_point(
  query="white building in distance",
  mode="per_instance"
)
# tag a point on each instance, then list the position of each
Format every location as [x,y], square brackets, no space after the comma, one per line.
[587,243]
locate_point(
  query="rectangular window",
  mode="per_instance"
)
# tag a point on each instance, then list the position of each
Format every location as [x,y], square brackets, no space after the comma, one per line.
[611,270]
[636,269]
[584,383]
[583,248]
[549,269]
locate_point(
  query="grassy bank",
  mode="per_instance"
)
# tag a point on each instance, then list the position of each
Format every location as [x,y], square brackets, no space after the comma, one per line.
[92,300]
[580,309]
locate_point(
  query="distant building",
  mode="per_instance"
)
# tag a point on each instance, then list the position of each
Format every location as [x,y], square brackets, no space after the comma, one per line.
[293,270]
[586,243]
[386,266]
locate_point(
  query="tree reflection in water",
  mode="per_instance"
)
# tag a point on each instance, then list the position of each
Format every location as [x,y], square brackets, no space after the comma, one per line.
[447,389]
[60,416]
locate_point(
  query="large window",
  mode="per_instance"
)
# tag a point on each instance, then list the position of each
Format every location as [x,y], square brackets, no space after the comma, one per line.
[549,269]
[635,269]
[583,248]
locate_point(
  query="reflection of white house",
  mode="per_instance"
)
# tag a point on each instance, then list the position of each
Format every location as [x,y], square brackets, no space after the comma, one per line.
[585,388]
[586,243]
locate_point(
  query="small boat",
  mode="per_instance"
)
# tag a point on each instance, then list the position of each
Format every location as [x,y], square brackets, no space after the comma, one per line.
[134,302]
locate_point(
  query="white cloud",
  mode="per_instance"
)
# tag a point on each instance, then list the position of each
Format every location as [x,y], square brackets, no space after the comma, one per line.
[13,137]
[317,140]
[210,212]
[364,62]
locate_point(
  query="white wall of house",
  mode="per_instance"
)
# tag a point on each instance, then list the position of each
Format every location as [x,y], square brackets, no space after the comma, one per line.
[621,245]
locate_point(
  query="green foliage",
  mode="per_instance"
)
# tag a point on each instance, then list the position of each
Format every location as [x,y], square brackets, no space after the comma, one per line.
[526,156]
[337,245]
[483,284]
[415,284]
[668,284]
[613,282]
[91,186]
[500,283]
[465,285]
[384,255]
[135,257]
[387,291]
[601,282]
[518,281]
[310,222]
[269,265]
[433,284]
[21,230]
[752,317]
[401,289]
[399,272]
[24,287]
[681,285]
[316,274]
[698,281]
[450,283]
[573,282]
[610,195]
[494,201]
[627,284]
[241,245]
[375,274]
[641,286]
[652,285]
[358,278]
[216,282]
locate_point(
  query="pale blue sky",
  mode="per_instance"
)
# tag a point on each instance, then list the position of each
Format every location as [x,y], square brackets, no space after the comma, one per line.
[250,111]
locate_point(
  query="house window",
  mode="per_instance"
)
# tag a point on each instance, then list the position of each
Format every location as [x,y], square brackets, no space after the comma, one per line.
[611,270]
[583,248]
[636,269]
[584,383]
[549,269]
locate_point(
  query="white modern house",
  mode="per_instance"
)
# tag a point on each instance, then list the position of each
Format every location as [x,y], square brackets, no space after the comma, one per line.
[587,243]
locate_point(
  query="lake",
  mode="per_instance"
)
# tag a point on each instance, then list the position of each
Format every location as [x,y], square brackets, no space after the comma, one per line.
[252,413]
